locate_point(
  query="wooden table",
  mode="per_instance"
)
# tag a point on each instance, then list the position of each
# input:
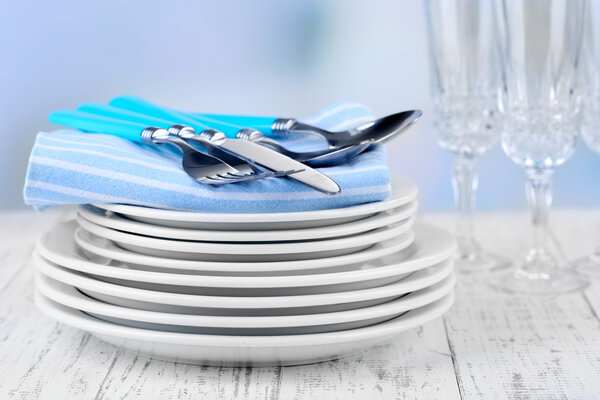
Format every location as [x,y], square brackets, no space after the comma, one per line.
[489,346]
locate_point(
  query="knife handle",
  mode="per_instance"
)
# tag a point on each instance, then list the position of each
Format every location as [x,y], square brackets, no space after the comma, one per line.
[105,110]
[263,124]
[93,123]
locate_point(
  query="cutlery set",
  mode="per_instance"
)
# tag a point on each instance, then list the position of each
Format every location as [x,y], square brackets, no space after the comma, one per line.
[223,149]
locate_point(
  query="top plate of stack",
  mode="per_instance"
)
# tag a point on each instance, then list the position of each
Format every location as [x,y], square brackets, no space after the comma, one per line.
[114,221]
[403,192]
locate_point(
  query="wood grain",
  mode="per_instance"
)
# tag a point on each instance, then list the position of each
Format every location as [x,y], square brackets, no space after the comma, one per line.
[526,347]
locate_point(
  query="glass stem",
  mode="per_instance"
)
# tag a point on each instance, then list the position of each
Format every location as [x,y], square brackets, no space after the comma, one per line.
[539,197]
[464,181]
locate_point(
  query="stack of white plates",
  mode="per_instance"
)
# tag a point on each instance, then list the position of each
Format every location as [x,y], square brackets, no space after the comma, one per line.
[246,289]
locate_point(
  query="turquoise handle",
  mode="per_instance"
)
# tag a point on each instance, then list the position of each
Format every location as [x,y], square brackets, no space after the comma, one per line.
[141,106]
[93,123]
[124,115]
[262,124]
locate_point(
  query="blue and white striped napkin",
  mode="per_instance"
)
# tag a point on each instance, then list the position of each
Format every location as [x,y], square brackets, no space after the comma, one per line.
[71,167]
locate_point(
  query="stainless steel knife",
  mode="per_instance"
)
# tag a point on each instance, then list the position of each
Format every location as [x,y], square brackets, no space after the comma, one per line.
[274,161]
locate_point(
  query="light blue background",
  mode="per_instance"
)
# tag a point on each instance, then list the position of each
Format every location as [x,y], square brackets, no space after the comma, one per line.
[264,57]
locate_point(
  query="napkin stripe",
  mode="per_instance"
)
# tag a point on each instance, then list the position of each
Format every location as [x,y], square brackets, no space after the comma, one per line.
[77,195]
[48,160]
[128,178]
[350,123]
[45,139]
[195,192]
[114,175]
[335,109]
[98,143]
[45,201]
[142,163]
[98,196]
[82,194]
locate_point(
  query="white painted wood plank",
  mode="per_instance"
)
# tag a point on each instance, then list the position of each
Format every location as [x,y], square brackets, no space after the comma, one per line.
[416,365]
[509,346]
[18,231]
[515,346]
[139,377]
[40,358]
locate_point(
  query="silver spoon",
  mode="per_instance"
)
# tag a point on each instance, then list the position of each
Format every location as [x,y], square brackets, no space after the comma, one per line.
[379,130]
[320,158]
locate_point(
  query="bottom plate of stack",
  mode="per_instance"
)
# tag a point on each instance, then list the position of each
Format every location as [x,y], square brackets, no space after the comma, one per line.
[176,303]
[243,350]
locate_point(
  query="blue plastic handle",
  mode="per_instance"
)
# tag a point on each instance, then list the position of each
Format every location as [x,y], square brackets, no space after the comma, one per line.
[262,124]
[138,105]
[124,115]
[94,123]
[141,106]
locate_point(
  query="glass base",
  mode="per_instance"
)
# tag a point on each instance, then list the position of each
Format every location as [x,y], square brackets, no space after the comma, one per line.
[590,265]
[470,258]
[479,261]
[540,274]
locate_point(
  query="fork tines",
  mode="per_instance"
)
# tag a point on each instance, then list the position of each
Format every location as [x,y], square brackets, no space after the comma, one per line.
[221,179]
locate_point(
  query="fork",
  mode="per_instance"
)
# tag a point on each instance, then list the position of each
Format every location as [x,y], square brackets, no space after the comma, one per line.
[199,166]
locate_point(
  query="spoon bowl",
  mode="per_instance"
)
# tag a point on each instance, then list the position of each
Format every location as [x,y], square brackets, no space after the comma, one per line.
[339,156]
[377,131]
[319,158]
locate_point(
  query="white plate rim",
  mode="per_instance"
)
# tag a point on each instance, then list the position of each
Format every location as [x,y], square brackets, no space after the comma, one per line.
[80,320]
[422,257]
[69,296]
[117,222]
[381,249]
[415,281]
[367,238]
[241,218]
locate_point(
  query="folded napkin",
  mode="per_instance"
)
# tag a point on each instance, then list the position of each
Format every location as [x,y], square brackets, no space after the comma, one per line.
[71,167]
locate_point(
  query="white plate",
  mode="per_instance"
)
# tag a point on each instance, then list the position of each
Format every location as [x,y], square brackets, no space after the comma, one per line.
[208,251]
[219,325]
[103,250]
[111,220]
[243,350]
[151,300]
[403,191]
[431,247]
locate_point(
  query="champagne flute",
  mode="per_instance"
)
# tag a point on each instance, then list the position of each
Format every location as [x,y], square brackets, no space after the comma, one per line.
[590,109]
[540,43]
[464,82]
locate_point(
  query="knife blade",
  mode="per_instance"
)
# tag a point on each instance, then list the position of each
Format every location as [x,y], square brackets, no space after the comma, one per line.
[274,161]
